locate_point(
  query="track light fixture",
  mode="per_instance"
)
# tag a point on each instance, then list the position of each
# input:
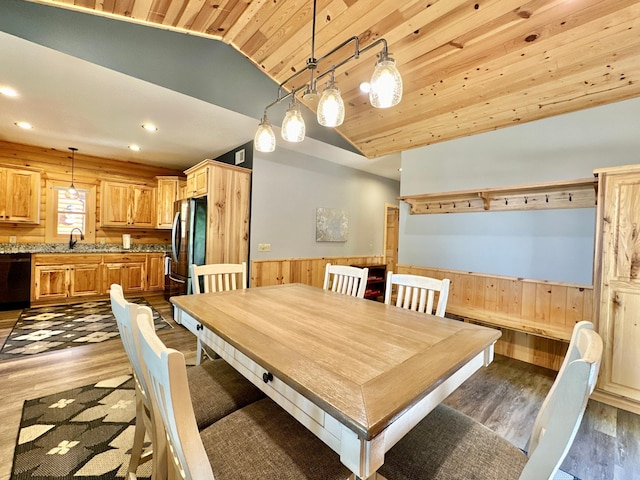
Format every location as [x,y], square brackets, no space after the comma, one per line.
[385,91]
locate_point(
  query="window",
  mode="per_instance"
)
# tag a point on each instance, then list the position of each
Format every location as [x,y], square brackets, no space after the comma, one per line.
[65,214]
[72,213]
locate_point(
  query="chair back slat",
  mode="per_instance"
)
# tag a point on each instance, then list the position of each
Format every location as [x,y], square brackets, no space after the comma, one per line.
[219,277]
[346,280]
[417,293]
[561,413]
[169,387]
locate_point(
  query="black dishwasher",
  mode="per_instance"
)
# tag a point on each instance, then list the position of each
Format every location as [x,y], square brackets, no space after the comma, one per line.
[15,281]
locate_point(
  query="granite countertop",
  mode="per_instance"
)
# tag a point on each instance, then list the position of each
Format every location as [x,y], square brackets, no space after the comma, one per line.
[81,248]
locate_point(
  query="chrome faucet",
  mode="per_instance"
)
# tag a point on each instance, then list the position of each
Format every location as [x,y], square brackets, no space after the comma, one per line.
[73,242]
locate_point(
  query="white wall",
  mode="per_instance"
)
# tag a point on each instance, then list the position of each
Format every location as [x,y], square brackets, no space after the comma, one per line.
[552,245]
[288,187]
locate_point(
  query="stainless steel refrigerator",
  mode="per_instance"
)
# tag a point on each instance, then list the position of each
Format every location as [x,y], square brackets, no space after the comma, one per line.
[188,244]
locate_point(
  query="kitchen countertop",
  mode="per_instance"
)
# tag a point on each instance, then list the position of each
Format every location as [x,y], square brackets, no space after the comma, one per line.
[81,248]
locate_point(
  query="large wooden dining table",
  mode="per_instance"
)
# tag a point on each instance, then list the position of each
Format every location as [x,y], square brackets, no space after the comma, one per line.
[357,373]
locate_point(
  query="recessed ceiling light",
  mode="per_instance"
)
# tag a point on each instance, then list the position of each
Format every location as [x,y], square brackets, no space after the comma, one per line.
[25,125]
[135,148]
[150,127]
[365,87]
[9,92]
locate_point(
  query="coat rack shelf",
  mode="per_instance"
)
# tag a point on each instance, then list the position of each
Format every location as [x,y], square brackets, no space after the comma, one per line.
[579,193]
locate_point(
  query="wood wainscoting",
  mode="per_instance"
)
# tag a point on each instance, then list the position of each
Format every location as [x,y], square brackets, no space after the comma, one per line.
[536,316]
[309,271]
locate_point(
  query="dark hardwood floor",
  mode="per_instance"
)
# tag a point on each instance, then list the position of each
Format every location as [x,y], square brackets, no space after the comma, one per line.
[504,396]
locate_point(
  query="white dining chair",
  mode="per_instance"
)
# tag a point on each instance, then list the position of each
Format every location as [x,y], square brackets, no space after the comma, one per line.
[219,277]
[216,277]
[217,388]
[417,293]
[450,445]
[258,441]
[346,280]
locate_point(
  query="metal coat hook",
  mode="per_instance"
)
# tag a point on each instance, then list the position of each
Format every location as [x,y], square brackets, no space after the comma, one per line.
[526,200]
[570,199]
[506,201]
[547,198]
[440,205]
[469,202]
[454,204]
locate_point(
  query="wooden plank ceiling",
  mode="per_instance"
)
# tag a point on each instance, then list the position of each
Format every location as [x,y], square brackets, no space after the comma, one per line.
[468,66]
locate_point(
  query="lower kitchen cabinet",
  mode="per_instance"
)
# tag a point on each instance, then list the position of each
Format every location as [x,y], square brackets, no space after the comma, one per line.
[129,271]
[58,277]
[64,276]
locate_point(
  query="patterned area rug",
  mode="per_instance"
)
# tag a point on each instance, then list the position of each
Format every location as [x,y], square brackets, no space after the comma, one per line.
[45,329]
[83,433]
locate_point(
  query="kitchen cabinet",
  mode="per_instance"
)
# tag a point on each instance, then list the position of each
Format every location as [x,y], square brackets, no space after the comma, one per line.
[168,192]
[19,195]
[129,271]
[58,277]
[228,209]
[617,285]
[127,205]
[198,179]
[155,271]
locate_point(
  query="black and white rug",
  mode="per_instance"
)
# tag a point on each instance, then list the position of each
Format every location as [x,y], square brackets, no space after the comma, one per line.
[85,432]
[50,328]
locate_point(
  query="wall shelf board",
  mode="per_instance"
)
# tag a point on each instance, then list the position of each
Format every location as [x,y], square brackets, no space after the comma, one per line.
[579,193]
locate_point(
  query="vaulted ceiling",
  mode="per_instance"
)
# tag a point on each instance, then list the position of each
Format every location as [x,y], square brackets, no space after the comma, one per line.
[468,66]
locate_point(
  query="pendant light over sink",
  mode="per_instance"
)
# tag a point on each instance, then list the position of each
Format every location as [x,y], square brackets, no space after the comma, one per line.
[71,192]
[386,92]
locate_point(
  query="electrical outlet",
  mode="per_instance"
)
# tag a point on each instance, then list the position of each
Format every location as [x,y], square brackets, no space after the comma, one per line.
[103,241]
[12,239]
[264,247]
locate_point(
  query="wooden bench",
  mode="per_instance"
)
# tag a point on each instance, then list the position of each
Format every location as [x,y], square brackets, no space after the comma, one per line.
[536,316]
[495,319]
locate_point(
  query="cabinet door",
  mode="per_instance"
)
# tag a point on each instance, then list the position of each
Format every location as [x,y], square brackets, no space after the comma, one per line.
[155,271]
[131,276]
[21,196]
[114,204]
[3,193]
[51,282]
[167,195]
[619,299]
[198,182]
[142,206]
[84,280]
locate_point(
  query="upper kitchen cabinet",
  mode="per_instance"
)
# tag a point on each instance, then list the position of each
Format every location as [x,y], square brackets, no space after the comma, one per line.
[617,285]
[228,209]
[168,192]
[198,179]
[127,205]
[19,195]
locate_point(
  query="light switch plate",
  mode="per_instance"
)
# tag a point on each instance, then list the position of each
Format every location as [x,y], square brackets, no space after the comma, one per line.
[12,239]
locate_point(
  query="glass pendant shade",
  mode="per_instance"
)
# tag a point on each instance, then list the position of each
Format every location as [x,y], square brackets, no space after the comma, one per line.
[71,192]
[386,84]
[265,140]
[293,128]
[331,107]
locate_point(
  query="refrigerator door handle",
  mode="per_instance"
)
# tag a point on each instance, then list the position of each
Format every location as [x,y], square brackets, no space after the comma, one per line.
[177,280]
[175,237]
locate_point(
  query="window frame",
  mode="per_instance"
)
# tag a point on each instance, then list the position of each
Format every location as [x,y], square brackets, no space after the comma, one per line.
[51,219]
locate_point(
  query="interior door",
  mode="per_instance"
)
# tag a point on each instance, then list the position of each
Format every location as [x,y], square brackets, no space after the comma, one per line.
[391,232]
